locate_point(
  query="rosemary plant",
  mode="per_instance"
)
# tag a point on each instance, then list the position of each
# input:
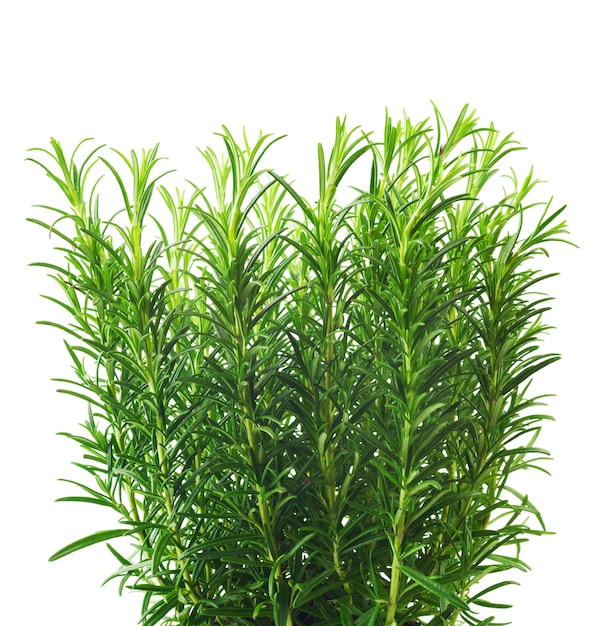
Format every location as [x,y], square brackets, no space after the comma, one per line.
[302,412]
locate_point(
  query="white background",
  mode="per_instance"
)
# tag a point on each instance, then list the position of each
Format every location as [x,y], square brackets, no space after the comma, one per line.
[133,73]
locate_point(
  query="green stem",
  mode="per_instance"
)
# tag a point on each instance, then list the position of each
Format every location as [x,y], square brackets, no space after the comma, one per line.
[398,530]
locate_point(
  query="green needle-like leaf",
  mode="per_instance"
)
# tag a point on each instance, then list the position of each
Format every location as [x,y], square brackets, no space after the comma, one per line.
[98,537]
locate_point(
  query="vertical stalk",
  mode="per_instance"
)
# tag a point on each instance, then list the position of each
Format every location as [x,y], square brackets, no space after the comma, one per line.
[167,491]
[398,530]
[408,381]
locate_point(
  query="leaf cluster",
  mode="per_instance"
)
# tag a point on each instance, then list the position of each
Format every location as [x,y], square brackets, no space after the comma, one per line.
[302,412]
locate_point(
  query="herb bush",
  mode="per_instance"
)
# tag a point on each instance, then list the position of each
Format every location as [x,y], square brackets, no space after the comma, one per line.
[302,412]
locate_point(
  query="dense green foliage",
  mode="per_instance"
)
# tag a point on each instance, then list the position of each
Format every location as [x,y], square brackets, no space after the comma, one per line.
[308,413]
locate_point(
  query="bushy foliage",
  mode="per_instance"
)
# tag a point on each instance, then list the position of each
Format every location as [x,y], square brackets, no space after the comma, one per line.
[307,413]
